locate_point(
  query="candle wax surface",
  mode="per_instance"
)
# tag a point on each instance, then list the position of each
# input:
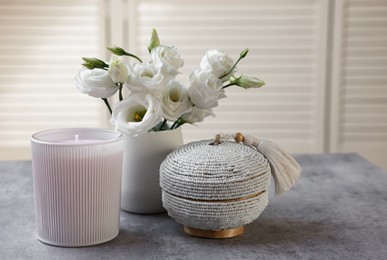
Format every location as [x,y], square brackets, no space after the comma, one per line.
[81,141]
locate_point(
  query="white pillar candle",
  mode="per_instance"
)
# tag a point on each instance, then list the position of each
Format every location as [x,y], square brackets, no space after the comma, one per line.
[77,181]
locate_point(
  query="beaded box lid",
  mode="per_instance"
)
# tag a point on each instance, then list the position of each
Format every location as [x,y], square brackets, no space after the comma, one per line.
[202,171]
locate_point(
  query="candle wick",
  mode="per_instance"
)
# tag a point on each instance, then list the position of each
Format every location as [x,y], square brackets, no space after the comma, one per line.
[76,138]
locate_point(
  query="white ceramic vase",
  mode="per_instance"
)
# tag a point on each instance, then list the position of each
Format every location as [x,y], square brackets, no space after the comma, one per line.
[141,191]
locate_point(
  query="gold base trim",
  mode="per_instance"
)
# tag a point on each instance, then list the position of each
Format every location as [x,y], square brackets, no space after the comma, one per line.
[228,233]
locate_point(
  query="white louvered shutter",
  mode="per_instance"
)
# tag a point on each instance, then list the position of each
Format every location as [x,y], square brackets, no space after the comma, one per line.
[359,89]
[41,45]
[287,42]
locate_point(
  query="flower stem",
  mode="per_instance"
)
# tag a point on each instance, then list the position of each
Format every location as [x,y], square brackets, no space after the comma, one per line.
[233,67]
[181,122]
[133,56]
[120,92]
[162,125]
[229,85]
[176,123]
[107,104]
[241,56]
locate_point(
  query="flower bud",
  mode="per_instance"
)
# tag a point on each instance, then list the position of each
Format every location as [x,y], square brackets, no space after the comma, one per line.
[248,82]
[118,70]
[117,50]
[94,63]
[244,53]
[121,52]
[154,41]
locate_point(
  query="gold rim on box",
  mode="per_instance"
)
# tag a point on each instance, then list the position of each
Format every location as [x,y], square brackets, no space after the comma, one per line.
[229,233]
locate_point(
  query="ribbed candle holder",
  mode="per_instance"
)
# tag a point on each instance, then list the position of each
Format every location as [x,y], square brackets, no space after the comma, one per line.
[77,183]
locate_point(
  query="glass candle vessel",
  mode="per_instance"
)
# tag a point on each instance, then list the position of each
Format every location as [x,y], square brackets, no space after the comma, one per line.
[77,183]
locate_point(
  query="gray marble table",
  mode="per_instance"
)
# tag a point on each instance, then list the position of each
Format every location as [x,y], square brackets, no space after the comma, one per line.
[337,210]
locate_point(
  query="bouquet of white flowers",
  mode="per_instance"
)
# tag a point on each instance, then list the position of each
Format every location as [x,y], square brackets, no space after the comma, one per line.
[157,101]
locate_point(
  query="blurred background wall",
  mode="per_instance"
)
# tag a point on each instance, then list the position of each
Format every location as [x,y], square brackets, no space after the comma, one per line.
[324,62]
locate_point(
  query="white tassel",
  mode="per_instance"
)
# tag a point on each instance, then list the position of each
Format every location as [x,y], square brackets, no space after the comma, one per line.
[284,168]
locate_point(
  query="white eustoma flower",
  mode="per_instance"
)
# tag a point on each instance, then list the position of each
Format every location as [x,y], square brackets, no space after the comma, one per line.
[218,63]
[136,114]
[118,70]
[197,115]
[96,83]
[205,90]
[175,101]
[145,78]
[168,59]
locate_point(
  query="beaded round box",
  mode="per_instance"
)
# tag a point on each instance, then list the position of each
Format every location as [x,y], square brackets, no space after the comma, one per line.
[215,188]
